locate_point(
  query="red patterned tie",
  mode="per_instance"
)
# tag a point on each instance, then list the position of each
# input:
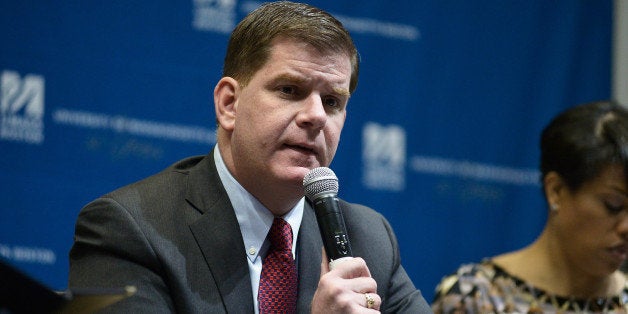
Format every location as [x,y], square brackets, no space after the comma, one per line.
[278,281]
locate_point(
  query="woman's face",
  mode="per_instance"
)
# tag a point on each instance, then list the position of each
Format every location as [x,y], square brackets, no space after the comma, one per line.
[593,223]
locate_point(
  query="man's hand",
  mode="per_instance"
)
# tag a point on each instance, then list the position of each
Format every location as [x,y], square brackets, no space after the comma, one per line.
[348,288]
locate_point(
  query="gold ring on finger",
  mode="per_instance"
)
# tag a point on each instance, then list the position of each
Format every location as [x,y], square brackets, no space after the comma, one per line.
[370,301]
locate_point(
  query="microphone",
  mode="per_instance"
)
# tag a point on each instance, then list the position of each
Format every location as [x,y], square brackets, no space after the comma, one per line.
[321,188]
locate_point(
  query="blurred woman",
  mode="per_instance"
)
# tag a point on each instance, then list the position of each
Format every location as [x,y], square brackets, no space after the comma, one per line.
[574,264]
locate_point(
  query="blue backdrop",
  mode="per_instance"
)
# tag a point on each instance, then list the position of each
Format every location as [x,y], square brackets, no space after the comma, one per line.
[441,135]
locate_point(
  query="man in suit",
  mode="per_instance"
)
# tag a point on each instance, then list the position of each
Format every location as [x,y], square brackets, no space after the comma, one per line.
[193,238]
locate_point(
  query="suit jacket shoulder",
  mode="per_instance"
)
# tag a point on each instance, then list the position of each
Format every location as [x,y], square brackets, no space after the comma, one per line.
[174,236]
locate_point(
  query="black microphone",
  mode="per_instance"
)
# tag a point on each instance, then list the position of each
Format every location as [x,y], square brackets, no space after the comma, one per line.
[321,188]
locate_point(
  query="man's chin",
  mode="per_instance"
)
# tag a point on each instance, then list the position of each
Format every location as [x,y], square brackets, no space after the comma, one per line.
[297,174]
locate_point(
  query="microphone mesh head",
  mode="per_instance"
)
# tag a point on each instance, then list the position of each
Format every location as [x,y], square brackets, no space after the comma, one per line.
[321,180]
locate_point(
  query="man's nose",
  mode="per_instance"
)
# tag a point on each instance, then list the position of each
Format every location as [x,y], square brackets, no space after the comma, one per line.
[312,113]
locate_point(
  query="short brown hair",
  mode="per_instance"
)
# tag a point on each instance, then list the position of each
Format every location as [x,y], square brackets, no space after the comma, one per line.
[251,40]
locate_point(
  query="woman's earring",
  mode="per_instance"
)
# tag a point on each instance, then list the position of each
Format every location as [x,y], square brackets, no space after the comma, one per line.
[554,207]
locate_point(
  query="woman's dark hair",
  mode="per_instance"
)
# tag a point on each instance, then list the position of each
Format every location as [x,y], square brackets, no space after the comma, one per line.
[582,141]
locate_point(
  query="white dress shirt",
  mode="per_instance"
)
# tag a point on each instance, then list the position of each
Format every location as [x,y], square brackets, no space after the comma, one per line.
[255,221]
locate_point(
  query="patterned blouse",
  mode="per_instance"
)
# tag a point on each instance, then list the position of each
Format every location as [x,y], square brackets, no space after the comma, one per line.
[487,288]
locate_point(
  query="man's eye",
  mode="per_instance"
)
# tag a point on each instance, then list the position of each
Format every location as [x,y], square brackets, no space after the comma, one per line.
[331,102]
[288,90]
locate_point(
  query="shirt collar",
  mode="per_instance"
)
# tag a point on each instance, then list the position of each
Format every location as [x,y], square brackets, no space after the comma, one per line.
[254,218]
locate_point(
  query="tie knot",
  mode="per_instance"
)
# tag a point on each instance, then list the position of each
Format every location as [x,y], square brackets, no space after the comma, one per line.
[280,235]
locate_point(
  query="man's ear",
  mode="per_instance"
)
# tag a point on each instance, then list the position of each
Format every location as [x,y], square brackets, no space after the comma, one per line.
[225,102]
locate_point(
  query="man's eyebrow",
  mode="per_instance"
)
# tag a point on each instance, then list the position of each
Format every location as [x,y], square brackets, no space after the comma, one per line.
[342,91]
[291,78]
[301,80]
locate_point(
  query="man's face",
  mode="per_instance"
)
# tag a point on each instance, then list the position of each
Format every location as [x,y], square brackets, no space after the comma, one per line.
[288,118]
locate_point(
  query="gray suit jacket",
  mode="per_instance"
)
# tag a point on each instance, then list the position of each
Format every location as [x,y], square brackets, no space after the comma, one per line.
[175,237]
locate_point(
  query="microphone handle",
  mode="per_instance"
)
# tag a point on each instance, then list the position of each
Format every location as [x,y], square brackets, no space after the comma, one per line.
[333,230]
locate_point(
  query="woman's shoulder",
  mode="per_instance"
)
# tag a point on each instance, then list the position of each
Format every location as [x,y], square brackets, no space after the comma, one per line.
[468,277]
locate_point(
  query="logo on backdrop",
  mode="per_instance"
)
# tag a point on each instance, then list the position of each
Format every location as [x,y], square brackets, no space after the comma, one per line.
[214,15]
[220,16]
[22,107]
[384,157]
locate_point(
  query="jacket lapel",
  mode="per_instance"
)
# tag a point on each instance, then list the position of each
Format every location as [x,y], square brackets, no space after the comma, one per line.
[309,248]
[219,238]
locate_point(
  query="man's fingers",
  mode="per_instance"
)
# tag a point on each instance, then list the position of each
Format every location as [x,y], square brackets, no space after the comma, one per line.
[370,300]
[324,262]
[346,287]
[352,268]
